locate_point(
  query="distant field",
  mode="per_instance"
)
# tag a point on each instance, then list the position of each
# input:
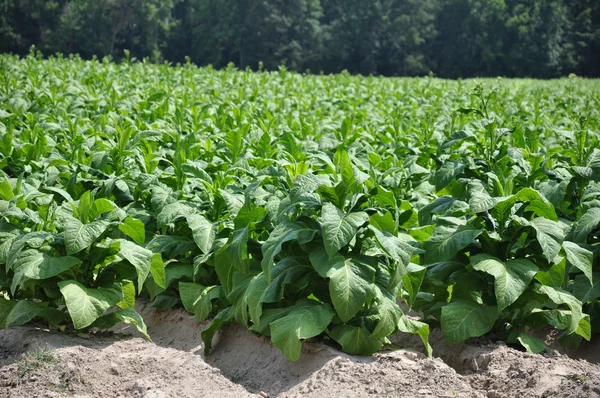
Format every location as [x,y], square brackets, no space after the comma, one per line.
[299,206]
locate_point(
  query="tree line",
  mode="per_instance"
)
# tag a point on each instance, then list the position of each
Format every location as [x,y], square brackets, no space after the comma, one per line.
[451,38]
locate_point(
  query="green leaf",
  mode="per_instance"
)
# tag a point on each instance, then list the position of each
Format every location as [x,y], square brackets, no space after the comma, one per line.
[355,340]
[203,232]
[24,311]
[234,140]
[79,236]
[32,264]
[134,228]
[99,207]
[171,213]
[383,223]
[350,286]
[85,305]
[6,307]
[255,291]
[550,236]
[465,319]
[139,257]
[448,172]
[455,138]
[127,315]
[531,343]
[128,296]
[510,278]
[579,258]
[586,224]
[157,270]
[412,326]
[284,232]
[324,264]
[238,298]
[412,281]
[558,296]
[394,247]
[223,318]
[554,276]
[339,228]
[232,257]
[286,272]
[198,299]
[584,291]
[85,202]
[447,241]
[542,209]
[307,318]
[6,191]
[387,314]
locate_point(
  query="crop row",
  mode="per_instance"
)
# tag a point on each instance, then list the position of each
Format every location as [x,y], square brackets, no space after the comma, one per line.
[299,206]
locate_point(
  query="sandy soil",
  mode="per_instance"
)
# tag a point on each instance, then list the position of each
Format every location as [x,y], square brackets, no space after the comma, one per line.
[38,363]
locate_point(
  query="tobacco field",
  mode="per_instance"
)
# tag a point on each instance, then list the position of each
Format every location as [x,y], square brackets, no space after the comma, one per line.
[299,206]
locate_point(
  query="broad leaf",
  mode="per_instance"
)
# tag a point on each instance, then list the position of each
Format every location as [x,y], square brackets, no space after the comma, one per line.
[339,228]
[350,286]
[447,241]
[355,340]
[135,229]
[465,319]
[308,318]
[79,236]
[284,232]
[84,304]
[33,264]
[510,278]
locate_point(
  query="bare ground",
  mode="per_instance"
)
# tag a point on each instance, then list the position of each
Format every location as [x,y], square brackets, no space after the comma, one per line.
[38,363]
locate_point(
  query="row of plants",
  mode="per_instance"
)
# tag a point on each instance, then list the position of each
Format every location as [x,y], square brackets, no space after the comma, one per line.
[298,206]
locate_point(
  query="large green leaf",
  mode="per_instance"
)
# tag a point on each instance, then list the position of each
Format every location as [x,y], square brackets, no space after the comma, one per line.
[284,232]
[231,258]
[223,318]
[408,325]
[350,284]
[387,315]
[447,241]
[134,228]
[79,236]
[510,278]
[412,281]
[286,272]
[33,264]
[85,304]
[324,264]
[141,258]
[171,213]
[308,318]
[355,340]
[586,224]
[579,258]
[255,291]
[583,290]
[531,343]
[558,296]
[395,248]
[448,172]
[339,228]
[157,270]
[20,312]
[198,299]
[465,319]
[203,232]
[126,315]
[550,235]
